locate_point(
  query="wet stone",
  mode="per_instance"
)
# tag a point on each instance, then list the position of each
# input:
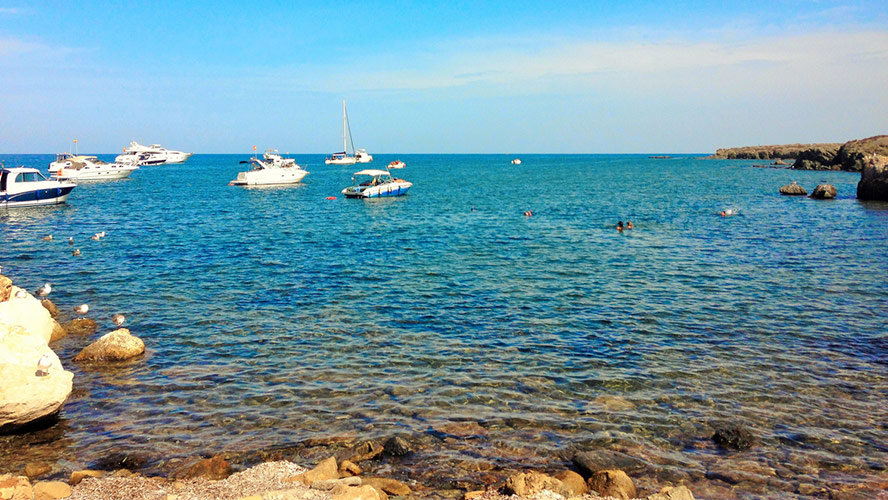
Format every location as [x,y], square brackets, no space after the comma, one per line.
[397,446]
[735,438]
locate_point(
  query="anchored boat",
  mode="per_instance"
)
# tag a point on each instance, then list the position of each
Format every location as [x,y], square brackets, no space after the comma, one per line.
[376,184]
[25,186]
[271,169]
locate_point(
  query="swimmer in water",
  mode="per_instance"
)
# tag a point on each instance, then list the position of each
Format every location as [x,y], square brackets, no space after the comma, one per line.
[629,224]
[528,213]
[620,226]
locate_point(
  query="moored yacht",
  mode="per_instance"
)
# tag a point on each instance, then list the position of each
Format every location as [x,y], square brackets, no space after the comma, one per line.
[153,154]
[272,169]
[89,168]
[25,186]
[379,183]
[362,156]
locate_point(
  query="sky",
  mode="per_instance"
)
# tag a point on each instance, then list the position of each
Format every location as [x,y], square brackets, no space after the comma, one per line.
[440,77]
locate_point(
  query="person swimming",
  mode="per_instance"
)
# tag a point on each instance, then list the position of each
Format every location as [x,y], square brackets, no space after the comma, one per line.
[528,213]
[728,212]
[620,226]
[629,224]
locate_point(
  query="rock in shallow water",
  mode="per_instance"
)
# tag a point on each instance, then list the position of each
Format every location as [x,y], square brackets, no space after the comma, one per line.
[873,183]
[793,190]
[614,483]
[118,345]
[80,326]
[736,438]
[824,192]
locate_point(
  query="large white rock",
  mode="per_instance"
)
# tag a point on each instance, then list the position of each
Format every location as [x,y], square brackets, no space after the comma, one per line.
[26,394]
[27,313]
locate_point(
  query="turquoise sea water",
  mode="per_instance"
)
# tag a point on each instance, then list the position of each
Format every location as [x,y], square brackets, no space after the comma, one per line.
[274,315]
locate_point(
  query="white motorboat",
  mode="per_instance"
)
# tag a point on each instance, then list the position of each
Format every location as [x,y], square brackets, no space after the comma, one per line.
[343,157]
[362,156]
[516,161]
[397,164]
[154,154]
[88,168]
[379,183]
[272,169]
[25,186]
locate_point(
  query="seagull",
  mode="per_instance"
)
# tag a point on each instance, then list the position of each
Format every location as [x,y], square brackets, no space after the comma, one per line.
[81,309]
[21,294]
[96,237]
[71,240]
[101,235]
[44,290]
[43,365]
[118,319]
[76,252]
[47,238]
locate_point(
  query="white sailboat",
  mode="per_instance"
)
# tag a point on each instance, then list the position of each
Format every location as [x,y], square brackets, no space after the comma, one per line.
[343,157]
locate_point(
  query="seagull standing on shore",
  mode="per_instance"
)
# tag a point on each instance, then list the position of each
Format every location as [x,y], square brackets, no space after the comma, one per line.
[118,319]
[44,290]
[43,365]
[82,309]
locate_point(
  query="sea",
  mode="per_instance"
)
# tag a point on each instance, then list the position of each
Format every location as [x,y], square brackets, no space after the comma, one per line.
[493,341]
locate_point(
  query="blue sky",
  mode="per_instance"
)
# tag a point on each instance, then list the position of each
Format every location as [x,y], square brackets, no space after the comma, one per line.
[440,77]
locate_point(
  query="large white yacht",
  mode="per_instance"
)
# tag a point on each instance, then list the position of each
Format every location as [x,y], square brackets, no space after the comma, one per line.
[272,169]
[24,186]
[88,168]
[151,155]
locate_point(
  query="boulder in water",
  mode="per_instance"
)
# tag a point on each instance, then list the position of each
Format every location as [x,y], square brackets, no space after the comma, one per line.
[873,183]
[613,483]
[824,192]
[118,345]
[793,189]
[733,437]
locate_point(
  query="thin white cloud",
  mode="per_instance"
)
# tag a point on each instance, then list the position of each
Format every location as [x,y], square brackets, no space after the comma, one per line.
[10,10]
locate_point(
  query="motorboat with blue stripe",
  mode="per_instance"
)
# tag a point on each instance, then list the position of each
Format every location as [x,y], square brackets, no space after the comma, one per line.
[25,186]
[379,183]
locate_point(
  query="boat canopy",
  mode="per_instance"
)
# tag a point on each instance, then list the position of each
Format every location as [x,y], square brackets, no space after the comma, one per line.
[372,172]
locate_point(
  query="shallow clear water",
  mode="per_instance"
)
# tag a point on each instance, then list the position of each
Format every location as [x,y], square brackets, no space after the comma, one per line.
[275,315]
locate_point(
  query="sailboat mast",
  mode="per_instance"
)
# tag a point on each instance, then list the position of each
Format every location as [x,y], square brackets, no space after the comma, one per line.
[344,121]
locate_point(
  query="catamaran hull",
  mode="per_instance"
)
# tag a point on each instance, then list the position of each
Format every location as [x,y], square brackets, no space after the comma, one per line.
[51,196]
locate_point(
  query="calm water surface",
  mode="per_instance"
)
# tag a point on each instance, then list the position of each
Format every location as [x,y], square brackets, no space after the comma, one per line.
[275,315]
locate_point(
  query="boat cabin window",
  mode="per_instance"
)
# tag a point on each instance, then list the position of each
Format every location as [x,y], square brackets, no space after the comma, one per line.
[28,177]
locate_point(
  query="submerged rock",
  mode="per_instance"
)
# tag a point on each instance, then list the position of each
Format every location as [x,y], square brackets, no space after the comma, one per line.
[396,446]
[793,189]
[736,438]
[873,183]
[824,192]
[590,462]
[118,345]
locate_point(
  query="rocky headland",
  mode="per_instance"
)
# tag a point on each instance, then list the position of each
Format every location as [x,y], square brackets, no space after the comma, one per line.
[850,156]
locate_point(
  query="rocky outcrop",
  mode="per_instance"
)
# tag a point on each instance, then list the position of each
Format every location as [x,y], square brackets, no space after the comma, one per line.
[850,156]
[28,393]
[873,183]
[793,190]
[118,345]
[5,288]
[824,192]
[784,151]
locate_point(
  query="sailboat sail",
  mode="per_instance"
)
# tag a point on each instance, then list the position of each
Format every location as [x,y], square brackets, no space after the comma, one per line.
[344,158]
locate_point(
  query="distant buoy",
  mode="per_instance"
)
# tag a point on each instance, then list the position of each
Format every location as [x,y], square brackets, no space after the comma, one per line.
[331,197]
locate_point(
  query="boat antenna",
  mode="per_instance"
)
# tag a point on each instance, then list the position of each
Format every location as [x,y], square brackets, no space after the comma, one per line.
[75,147]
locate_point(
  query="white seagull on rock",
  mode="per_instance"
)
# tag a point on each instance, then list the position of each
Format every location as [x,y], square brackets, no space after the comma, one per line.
[43,365]
[44,290]
[81,309]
